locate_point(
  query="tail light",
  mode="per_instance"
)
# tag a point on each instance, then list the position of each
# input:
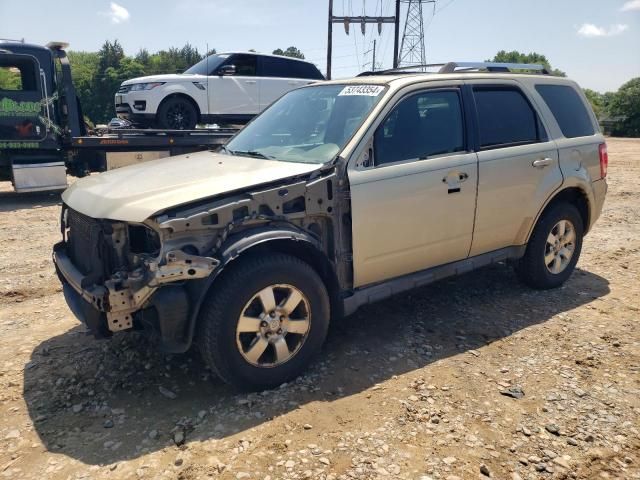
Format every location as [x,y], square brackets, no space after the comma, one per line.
[604,159]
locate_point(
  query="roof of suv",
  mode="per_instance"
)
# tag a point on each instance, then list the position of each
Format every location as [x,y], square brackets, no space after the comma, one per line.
[264,55]
[399,80]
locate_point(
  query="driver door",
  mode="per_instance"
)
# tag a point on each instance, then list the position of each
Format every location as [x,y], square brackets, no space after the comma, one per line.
[237,94]
[414,207]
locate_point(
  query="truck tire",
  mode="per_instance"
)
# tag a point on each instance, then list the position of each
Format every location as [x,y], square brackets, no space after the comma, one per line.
[177,113]
[263,321]
[553,249]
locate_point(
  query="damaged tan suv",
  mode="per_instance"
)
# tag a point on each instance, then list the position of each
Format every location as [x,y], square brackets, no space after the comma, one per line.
[339,194]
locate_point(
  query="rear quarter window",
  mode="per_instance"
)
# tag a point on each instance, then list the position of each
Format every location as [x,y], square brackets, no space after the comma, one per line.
[568,109]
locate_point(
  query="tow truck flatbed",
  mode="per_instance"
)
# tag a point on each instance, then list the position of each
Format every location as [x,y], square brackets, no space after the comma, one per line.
[150,139]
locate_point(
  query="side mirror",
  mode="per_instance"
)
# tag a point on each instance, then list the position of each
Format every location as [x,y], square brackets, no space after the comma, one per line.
[227,70]
[366,157]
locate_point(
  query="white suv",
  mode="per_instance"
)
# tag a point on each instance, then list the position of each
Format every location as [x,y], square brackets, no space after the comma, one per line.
[222,88]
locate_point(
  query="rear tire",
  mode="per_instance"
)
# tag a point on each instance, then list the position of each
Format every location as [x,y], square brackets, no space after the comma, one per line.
[553,249]
[177,114]
[245,345]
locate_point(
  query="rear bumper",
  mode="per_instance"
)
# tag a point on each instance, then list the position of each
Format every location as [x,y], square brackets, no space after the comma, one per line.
[599,194]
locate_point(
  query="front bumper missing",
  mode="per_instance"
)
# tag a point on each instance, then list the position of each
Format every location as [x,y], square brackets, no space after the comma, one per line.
[124,293]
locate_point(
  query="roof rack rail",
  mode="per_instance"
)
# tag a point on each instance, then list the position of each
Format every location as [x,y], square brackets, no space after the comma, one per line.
[465,67]
[452,67]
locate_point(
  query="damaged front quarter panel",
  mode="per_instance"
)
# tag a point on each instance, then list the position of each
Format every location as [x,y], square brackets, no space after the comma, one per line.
[290,211]
[194,237]
[129,292]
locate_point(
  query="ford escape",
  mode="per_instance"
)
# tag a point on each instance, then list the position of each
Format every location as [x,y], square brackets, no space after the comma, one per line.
[339,194]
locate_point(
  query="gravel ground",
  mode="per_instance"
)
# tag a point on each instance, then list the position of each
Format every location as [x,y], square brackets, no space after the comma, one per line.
[473,377]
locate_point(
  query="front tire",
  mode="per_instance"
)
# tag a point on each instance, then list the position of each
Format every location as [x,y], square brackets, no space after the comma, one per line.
[177,114]
[553,249]
[263,321]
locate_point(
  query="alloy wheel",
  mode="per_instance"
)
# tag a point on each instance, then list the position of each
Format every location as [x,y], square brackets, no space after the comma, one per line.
[560,246]
[273,325]
[178,116]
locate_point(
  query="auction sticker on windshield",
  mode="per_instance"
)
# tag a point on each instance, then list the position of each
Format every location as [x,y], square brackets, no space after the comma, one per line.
[366,90]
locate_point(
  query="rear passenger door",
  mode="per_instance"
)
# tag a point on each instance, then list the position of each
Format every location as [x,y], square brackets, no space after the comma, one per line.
[518,166]
[413,208]
[278,76]
[236,94]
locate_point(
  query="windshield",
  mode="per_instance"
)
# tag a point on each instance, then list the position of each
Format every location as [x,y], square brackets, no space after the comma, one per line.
[308,125]
[207,65]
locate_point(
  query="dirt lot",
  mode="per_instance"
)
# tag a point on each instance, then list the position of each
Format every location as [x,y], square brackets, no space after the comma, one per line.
[410,388]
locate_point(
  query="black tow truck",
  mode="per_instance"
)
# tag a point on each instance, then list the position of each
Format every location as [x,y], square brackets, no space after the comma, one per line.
[43,136]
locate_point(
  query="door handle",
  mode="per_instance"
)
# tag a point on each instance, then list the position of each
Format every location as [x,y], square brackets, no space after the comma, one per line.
[542,162]
[250,81]
[453,181]
[293,83]
[453,177]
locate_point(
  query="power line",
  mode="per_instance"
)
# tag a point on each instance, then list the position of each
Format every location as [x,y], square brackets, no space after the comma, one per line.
[386,38]
[444,6]
[347,20]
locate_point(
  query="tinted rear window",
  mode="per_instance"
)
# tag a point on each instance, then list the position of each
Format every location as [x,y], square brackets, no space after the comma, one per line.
[568,109]
[285,68]
[306,70]
[505,117]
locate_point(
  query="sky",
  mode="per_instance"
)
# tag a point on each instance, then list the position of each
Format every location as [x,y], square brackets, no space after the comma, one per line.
[597,42]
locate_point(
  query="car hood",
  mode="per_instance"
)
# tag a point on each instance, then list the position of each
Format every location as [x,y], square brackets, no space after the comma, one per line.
[136,192]
[169,77]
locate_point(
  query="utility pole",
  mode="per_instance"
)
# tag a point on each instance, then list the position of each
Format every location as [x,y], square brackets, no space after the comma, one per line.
[373,61]
[362,20]
[396,38]
[330,40]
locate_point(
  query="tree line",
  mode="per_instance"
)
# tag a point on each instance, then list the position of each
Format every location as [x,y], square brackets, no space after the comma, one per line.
[97,76]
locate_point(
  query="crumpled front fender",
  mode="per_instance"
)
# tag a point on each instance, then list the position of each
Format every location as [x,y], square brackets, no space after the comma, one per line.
[230,251]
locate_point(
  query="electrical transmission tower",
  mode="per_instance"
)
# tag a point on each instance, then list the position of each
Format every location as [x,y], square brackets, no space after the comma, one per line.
[412,49]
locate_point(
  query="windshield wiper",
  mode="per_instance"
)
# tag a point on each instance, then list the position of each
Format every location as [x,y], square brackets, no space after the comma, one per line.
[249,153]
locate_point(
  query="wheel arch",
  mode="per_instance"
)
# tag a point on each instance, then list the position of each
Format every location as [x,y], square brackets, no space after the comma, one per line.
[187,97]
[574,195]
[290,241]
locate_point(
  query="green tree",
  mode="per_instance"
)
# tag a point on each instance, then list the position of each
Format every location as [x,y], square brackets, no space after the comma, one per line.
[597,101]
[106,81]
[143,56]
[289,52]
[518,57]
[625,103]
[10,79]
[84,68]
